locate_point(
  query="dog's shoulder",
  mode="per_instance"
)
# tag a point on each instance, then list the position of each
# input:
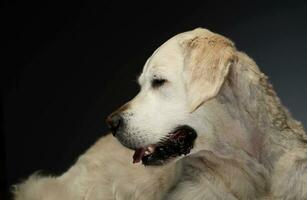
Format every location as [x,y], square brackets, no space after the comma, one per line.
[289,178]
[209,176]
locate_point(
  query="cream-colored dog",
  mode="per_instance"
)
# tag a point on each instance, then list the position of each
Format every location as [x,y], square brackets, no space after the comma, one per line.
[206,124]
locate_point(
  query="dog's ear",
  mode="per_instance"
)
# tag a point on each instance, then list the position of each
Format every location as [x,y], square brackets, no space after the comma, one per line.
[207,61]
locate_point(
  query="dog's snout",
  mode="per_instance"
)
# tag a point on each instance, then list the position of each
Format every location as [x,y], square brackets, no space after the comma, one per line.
[114,121]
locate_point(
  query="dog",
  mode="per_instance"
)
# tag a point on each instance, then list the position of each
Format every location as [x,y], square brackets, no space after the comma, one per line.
[206,124]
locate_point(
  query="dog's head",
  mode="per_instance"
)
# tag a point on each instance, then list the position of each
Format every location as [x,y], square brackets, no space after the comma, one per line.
[166,119]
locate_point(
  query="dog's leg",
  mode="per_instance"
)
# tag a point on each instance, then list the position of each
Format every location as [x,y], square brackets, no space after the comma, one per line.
[104,172]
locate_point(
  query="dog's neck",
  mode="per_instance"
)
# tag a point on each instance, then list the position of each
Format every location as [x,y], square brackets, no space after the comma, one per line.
[255,119]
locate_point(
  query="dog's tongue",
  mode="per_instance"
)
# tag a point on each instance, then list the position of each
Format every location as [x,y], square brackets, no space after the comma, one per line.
[138,155]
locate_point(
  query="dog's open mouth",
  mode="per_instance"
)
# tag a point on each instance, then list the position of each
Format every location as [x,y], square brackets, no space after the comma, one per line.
[178,142]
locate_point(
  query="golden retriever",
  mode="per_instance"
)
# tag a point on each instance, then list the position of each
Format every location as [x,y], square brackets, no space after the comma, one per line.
[206,124]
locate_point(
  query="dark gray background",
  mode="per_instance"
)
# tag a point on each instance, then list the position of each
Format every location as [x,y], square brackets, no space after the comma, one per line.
[69,64]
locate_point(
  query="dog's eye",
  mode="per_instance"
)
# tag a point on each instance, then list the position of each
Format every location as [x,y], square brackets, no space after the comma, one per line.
[155,83]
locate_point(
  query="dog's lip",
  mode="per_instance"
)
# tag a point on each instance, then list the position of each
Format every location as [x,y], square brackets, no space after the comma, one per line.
[178,142]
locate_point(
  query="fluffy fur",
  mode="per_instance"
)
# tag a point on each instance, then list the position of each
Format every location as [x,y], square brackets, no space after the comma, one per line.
[248,145]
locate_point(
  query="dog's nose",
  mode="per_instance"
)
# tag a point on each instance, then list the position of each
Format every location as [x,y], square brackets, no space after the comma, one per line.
[114,121]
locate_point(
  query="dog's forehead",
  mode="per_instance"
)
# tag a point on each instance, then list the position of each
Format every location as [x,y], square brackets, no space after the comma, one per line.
[168,58]
[165,60]
[168,55]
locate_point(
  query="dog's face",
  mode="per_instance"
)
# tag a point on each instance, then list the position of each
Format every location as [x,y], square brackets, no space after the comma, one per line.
[166,118]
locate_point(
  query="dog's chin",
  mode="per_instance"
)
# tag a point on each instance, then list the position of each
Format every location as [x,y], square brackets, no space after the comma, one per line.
[178,142]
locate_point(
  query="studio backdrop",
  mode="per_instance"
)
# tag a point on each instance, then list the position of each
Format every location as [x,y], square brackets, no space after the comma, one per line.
[69,64]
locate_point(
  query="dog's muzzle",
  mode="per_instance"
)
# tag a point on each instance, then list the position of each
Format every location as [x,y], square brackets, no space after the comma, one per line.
[176,143]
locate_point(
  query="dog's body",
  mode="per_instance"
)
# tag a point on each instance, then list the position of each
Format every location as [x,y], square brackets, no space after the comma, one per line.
[247,146]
